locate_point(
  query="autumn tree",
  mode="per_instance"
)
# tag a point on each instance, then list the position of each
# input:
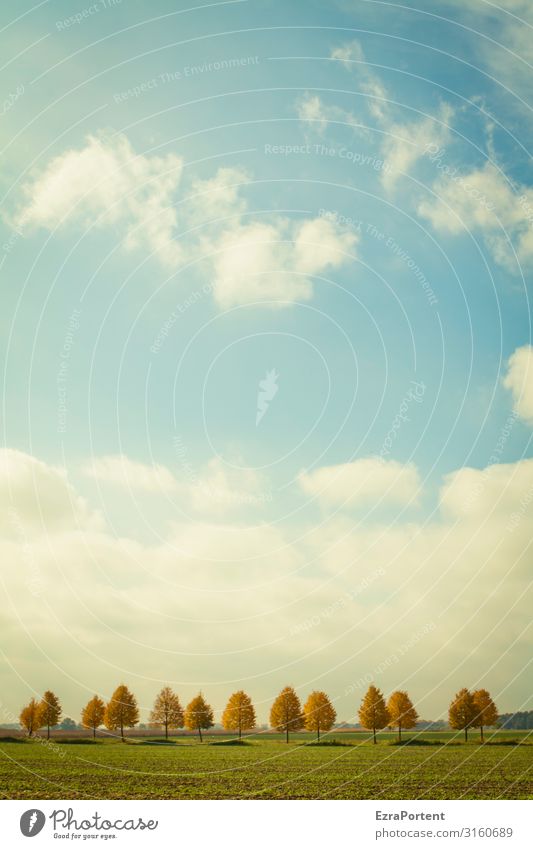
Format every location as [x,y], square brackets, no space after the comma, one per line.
[167,710]
[198,715]
[239,713]
[121,710]
[50,711]
[286,712]
[402,714]
[485,709]
[373,713]
[462,711]
[93,714]
[30,717]
[319,713]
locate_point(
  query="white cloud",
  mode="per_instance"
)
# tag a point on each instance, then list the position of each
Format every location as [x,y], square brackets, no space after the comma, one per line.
[483,200]
[274,261]
[235,605]
[320,244]
[352,57]
[406,143]
[476,493]
[311,110]
[519,379]
[467,200]
[365,481]
[349,53]
[251,260]
[251,265]
[511,59]
[216,197]
[120,470]
[223,489]
[506,51]
[218,489]
[36,498]
[106,181]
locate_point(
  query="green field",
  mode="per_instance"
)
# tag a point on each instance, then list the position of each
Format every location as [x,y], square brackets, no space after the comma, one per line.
[435,766]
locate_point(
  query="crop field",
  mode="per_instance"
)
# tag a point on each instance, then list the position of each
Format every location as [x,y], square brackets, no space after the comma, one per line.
[348,766]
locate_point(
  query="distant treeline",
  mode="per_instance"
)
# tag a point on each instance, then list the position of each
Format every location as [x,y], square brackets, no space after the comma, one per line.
[520,721]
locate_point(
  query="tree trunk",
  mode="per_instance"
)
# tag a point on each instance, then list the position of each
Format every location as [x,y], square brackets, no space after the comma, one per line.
[121,731]
[166,730]
[240,731]
[318,731]
[200,733]
[400,732]
[47,732]
[287,733]
[374,730]
[466,734]
[94,732]
[482,737]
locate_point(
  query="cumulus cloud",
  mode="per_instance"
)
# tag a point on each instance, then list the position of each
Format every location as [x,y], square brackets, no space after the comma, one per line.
[519,380]
[499,488]
[36,498]
[120,470]
[219,603]
[404,142]
[363,481]
[216,197]
[484,201]
[408,142]
[105,182]
[108,183]
[221,489]
[275,261]
[351,55]
[218,489]
[311,110]
[508,53]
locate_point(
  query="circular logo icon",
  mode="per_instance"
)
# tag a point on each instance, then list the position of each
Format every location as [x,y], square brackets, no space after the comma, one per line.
[32,822]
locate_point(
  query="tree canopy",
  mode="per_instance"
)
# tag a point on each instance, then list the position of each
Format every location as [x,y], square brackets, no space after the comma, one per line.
[198,715]
[121,710]
[402,714]
[30,717]
[462,711]
[167,710]
[239,713]
[286,712]
[93,714]
[319,713]
[373,713]
[50,711]
[486,710]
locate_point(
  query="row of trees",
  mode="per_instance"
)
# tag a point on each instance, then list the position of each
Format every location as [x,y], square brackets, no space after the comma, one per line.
[467,710]
[43,714]
[121,712]
[472,710]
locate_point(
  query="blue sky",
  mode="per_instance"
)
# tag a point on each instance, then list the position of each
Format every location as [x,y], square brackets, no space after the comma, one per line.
[324,211]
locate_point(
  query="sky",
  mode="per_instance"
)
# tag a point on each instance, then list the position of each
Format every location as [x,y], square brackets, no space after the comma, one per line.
[265,328]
